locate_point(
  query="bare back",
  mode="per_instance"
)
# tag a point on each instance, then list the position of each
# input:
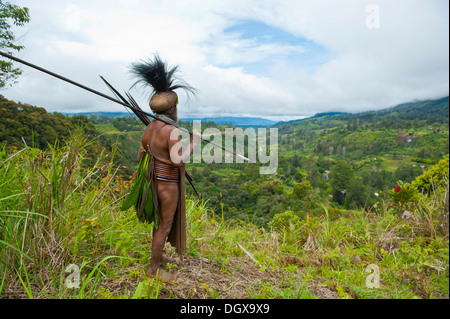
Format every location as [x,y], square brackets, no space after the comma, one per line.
[156,138]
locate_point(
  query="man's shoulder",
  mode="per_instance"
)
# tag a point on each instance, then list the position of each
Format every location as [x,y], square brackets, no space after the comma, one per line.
[160,127]
[168,129]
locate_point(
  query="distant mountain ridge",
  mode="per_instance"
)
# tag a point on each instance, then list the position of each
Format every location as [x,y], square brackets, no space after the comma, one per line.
[236,121]
[437,107]
[107,114]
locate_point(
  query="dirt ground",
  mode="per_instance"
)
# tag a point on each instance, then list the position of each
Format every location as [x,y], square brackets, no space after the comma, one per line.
[198,278]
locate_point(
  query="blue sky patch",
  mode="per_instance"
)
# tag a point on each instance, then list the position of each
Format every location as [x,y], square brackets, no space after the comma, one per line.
[294,51]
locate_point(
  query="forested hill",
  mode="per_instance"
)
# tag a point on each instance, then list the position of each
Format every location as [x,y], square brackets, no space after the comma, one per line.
[35,125]
[430,110]
[363,155]
[418,129]
[351,191]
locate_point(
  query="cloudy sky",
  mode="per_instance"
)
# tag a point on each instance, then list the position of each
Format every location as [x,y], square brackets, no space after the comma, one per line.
[274,59]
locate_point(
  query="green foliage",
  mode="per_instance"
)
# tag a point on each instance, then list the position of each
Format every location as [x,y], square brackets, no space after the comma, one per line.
[148,289]
[284,221]
[307,176]
[341,178]
[285,230]
[438,174]
[142,188]
[10,14]
[38,128]
[306,256]
[302,189]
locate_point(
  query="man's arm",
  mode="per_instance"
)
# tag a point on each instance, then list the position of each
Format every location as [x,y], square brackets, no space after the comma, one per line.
[177,156]
[145,141]
[140,153]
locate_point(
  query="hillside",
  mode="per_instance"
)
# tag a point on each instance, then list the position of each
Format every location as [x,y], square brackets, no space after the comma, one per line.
[373,133]
[75,221]
[35,125]
[430,110]
[374,149]
[294,234]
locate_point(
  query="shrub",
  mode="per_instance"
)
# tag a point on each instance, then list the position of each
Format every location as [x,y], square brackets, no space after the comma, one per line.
[402,194]
[437,174]
[283,221]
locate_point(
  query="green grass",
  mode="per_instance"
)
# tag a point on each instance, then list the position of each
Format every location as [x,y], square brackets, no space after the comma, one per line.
[55,211]
[106,129]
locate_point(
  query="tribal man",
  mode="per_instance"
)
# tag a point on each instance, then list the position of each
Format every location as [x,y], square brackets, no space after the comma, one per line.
[165,174]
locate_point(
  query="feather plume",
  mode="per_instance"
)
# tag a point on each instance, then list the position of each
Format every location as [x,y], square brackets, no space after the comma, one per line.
[156,74]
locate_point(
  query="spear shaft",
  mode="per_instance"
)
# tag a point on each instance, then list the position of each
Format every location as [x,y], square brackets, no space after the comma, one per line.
[76,84]
[114,100]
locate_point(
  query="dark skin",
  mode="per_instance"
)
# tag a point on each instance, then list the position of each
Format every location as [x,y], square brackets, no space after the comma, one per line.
[157,138]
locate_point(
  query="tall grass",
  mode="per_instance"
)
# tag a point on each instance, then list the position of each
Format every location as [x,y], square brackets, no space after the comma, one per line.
[45,199]
[315,251]
[56,211]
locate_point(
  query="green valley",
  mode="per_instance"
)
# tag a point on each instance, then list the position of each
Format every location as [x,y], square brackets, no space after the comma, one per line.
[293,234]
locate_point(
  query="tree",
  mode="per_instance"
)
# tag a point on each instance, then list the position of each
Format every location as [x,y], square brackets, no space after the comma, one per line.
[301,190]
[341,178]
[357,194]
[10,14]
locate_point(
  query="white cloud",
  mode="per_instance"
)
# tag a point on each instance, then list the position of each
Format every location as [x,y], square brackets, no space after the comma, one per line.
[406,58]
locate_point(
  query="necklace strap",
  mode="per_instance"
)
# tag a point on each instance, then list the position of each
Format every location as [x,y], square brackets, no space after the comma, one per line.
[165,118]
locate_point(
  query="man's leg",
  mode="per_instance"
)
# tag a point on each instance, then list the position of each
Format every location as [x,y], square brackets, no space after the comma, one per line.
[164,259]
[168,202]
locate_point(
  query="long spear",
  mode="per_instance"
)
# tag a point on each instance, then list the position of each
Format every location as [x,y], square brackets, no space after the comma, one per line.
[117,101]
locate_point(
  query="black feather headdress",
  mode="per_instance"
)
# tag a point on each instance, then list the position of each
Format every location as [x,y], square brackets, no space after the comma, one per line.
[156,74]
